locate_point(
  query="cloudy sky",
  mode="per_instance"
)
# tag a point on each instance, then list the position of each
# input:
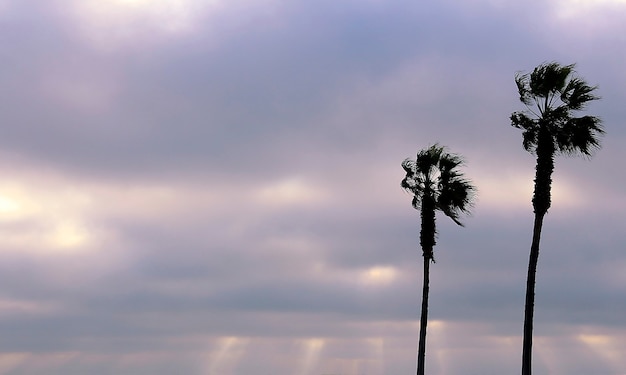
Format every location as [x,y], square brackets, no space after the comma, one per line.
[212,187]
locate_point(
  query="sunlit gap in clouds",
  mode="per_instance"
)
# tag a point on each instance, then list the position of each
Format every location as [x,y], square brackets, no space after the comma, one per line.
[379,275]
[436,345]
[546,351]
[312,349]
[24,362]
[514,191]
[581,8]
[607,348]
[20,307]
[378,352]
[50,220]
[11,361]
[110,23]
[596,351]
[290,191]
[228,355]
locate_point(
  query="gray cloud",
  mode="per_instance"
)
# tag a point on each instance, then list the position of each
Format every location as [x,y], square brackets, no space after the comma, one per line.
[226,198]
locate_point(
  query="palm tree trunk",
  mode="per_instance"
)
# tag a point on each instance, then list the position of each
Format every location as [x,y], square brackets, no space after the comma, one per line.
[427,241]
[530,297]
[541,204]
[421,351]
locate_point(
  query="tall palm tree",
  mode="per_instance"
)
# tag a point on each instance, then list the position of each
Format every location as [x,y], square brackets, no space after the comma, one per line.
[436,185]
[552,94]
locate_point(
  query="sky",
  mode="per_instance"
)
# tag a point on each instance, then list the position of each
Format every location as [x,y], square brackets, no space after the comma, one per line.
[213,188]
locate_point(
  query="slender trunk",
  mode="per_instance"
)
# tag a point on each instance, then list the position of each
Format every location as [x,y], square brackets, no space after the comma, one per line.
[541,204]
[421,351]
[427,241]
[530,297]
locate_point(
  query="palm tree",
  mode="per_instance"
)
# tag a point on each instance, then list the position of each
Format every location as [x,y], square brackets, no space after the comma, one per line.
[436,185]
[551,93]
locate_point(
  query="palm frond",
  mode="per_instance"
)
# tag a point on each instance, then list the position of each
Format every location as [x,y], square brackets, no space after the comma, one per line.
[529,140]
[427,159]
[557,93]
[548,79]
[580,135]
[434,173]
[578,93]
[521,80]
[522,121]
[530,129]
[456,198]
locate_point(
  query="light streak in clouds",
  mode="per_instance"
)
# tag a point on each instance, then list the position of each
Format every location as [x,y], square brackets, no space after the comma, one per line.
[379,275]
[290,191]
[509,193]
[9,208]
[504,193]
[110,24]
[12,307]
[68,235]
[588,19]
[38,363]
[15,203]
[546,355]
[581,8]
[45,220]
[312,350]
[228,355]
[377,345]
[437,346]
[607,348]
[11,361]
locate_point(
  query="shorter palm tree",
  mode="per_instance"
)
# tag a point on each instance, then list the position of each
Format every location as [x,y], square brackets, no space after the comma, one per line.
[436,185]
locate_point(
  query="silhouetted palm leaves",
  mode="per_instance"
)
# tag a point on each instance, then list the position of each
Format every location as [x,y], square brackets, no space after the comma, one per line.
[436,185]
[551,94]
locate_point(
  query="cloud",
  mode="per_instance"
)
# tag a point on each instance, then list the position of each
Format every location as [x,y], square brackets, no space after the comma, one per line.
[214,188]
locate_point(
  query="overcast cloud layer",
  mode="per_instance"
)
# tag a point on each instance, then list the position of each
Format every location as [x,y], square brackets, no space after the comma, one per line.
[212,187]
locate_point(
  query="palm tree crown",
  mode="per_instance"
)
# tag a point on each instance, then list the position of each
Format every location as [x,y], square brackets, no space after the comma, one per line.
[436,184]
[552,93]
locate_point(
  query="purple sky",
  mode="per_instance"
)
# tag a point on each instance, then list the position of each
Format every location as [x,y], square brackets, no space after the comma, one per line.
[213,187]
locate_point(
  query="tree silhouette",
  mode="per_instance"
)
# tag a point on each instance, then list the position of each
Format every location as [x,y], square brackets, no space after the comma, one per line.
[551,93]
[436,185]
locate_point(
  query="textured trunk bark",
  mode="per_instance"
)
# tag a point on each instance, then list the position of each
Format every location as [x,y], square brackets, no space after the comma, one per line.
[541,204]
[421,351]
[427,242]
[530,297]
